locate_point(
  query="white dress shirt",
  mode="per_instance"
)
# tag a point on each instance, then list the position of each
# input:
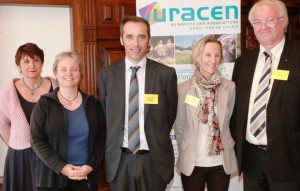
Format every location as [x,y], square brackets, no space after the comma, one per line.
[276,54]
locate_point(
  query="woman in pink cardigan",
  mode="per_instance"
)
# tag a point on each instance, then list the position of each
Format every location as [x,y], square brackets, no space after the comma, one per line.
[17,100]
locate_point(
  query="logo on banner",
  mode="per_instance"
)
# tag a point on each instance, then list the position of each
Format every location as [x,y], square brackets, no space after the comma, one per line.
[148,11]
[153,13]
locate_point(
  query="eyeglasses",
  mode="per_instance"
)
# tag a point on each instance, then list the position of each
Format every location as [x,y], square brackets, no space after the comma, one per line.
[270,22]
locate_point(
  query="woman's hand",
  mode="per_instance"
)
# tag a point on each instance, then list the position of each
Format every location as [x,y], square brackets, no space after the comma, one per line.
[79,172]
[70,170]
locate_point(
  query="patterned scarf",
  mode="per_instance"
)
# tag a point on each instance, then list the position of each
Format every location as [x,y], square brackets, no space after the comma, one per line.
[206,91]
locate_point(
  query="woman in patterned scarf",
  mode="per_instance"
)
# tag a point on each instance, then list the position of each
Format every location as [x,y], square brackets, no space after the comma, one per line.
[205,104]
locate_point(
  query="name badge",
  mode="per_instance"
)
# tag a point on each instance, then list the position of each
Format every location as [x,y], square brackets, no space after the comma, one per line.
[150,98]
[280,74]
[191,100]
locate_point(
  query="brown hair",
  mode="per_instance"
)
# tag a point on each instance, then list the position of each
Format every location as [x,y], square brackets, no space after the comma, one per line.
[134,19]
[199,47]
[29,49]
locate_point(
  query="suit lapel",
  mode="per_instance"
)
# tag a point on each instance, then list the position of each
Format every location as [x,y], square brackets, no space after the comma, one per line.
[193,110]
[283,65]
[150,76]
[222,100]
[120,85]
[246,76]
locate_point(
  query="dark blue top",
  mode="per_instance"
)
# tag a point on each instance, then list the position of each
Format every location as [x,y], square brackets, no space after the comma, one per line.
[78,132]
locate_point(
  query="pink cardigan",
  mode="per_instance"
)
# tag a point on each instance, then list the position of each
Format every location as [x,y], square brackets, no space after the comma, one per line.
[14,127]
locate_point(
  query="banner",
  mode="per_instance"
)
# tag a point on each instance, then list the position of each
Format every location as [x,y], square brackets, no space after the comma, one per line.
[176,26]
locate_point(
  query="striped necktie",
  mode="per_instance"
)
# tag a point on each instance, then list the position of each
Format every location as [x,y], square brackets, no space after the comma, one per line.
[258,117]
[133,113]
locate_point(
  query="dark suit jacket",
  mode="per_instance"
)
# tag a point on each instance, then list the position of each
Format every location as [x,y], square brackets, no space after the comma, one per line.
[160,80]
[283,113]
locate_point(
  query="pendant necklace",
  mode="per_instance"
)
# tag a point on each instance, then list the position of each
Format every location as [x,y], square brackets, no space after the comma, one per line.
[69,101]
[33,89]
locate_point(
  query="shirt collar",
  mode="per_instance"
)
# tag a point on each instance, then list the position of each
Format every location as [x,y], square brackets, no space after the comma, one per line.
[142,63]
[276,50]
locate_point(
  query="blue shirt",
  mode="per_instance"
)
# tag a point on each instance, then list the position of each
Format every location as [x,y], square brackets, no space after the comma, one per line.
[78,133]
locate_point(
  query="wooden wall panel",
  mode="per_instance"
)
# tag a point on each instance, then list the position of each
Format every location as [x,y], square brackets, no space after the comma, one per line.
[89,81]
[292,3]
[112,55]
[109,15]
[127,8]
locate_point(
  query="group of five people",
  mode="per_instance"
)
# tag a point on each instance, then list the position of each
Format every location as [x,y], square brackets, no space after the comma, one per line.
[58,135]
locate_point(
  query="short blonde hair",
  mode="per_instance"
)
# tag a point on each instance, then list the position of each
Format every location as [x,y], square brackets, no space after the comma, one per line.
[199,48]
[63,55]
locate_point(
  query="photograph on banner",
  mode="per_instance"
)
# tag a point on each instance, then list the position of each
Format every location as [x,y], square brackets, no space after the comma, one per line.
[162,49]
[184,45]
[176,52]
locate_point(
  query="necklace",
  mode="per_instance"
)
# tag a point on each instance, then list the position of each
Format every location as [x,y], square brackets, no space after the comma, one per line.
[32,90]
[69,101]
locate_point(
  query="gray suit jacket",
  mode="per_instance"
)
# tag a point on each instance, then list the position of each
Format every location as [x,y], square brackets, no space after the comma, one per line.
[160,80]
[186,127]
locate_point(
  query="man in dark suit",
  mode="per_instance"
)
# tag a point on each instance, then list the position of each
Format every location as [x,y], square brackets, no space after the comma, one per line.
[267,132]
[150,165]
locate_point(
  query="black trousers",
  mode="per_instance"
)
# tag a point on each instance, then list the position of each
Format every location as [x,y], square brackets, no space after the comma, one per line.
[257,175]
[137,173]
[214,177]
[73,185]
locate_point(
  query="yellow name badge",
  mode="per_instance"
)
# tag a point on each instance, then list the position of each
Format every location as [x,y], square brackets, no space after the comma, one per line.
[191,100]
[150,98]
[280,74]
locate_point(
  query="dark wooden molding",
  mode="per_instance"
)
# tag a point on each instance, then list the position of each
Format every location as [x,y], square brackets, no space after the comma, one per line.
[89,21]
[89,82]
[108,13]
